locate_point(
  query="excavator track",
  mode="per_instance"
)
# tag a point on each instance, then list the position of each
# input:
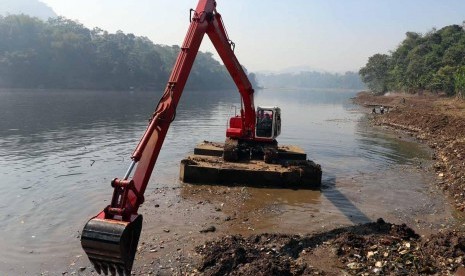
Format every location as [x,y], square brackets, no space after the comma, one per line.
[111,245]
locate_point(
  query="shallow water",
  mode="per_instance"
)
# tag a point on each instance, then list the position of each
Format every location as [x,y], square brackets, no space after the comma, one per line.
[60,149]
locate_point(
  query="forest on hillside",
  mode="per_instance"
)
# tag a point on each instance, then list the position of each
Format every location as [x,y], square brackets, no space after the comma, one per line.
[62,53]
[311,79]
[432,62]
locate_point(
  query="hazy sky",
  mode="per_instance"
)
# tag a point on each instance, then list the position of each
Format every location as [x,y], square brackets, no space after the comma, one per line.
[270,35]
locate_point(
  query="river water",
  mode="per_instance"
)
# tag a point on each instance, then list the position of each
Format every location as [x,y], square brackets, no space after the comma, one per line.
[60,149]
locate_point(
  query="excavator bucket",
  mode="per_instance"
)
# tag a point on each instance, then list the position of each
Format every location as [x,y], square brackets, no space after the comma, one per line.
[111,245]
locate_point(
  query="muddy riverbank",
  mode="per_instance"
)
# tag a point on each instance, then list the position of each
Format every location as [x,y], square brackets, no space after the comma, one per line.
[210,231]
[217,230]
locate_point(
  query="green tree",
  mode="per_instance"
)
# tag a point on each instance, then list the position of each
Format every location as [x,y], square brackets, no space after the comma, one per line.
[62,53]
[421,62]
[445,79]
[375,73]
[459,78]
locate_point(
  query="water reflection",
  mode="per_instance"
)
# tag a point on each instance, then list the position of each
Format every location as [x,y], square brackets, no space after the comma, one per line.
[386,148]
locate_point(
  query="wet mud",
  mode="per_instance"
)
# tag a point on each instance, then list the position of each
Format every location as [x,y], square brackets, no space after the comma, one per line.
[217,230]
[237,230]
[377,248]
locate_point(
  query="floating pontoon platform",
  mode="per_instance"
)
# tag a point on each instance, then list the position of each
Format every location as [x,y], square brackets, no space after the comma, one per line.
[291,169]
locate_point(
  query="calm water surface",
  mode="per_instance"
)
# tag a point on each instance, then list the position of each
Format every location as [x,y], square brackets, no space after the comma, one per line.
[60,149]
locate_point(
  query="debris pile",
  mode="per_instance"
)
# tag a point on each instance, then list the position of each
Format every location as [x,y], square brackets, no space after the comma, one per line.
[377,248]
[401,252]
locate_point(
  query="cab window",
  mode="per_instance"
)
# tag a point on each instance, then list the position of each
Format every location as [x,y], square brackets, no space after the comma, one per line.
[264,126]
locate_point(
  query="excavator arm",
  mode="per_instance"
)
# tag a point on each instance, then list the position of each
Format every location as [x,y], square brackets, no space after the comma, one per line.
[218,35]
[110,239]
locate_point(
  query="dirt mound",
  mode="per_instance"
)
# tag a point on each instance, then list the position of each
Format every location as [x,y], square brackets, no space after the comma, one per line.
[265,254]
[373,248]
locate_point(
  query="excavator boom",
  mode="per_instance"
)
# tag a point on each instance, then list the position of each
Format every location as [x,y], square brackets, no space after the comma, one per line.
[110,239]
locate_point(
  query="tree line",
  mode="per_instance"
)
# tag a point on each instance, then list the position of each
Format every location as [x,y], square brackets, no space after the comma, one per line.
[62,53]
[311,79]
[432,62]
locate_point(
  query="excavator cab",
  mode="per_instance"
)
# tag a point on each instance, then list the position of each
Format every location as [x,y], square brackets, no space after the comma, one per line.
[268,122]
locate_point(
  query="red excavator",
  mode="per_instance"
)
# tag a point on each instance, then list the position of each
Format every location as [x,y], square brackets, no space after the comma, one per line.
[110,239]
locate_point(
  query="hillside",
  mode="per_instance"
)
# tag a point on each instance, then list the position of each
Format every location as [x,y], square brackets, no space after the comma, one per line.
[33,8]
[434,61]
[61,53]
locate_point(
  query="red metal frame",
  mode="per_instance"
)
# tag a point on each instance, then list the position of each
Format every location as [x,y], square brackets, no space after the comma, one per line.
[128,194]
[220,40]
